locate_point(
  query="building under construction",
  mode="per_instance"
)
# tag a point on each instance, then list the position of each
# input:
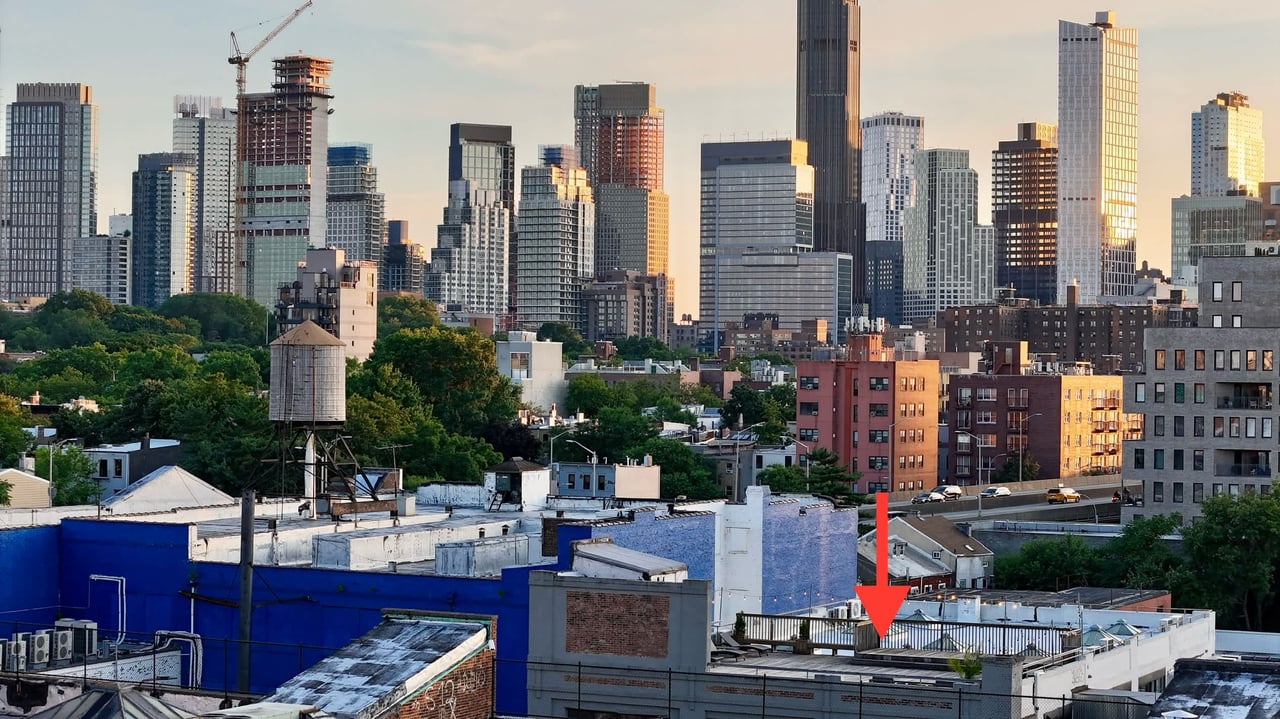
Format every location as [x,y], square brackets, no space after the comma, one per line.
[283,175]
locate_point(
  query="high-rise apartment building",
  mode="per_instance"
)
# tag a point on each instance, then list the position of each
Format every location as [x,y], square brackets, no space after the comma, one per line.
[1208,395]
[1024,211]
[206,131]
[470,269]
[51,180]
[948,259]
[101,264]
[756,240]
[619,131]
[890,141]
[1219,225]
[338,294]
[282,178]
[1228,153]
[355,207]
[556,258]
[1097,157]
[620,304]
[828,72]
[404,262]
[163,247]
[1269,193]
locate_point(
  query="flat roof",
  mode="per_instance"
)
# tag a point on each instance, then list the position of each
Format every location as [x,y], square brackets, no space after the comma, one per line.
[1088,597]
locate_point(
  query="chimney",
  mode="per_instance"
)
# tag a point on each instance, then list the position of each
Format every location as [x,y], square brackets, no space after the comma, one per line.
[1073,294]
[146,442]
[35,397]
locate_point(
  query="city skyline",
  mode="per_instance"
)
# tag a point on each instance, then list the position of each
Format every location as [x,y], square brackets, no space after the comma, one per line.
[955,72]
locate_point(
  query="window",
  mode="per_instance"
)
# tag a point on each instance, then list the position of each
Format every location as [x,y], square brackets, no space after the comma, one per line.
[573,481]
[1198,390]
[902,409]
[1177,493]
[1178,461]
[1159,359]
[1251,427]
[1158,425]
[962,418]
[877,463]
[1268,360]
[808,435]
[1236,321]
[1266,427]
[1197,492]
[1157,491]
[117,467]
[880,383]
[1179,393]
[1233,427]
[1217,489]
[1179,426]
[600,482]
[986,416]
[1217,320]
[1197,460]
[878,436]
[1179,359]
[1217,291]
[1157,459]
[1235,359]
[1219,427]
[809,383]
[809,408]
[1158,392]
[1251,360]
[1197,426]
[1139,458]
[1233,490]
[1237,291]
[1199,359]
[878,410]
[1219,359]
[986,394]
[1140,392]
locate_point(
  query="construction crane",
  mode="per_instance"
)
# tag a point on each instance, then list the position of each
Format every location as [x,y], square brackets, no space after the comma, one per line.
[241,61]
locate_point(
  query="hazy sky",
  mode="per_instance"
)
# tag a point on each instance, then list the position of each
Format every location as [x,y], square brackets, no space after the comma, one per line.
[405,69]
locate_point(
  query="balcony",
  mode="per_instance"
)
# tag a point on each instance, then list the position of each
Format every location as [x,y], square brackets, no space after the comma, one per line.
[1107,404]
[1106,426]
[1255,402]
[1106,448]
[964,401]
[1242,469]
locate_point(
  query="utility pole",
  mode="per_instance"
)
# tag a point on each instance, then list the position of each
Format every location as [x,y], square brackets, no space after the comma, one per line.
[245,630]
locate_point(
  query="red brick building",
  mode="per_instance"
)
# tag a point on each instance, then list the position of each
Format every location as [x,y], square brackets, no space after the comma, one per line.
[879,414]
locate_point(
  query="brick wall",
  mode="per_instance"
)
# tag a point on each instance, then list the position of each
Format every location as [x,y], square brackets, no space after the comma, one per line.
[1161,603]
[466,692]
[617,623]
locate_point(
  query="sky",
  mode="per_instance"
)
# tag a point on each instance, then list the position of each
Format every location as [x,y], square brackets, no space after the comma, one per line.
[404,70]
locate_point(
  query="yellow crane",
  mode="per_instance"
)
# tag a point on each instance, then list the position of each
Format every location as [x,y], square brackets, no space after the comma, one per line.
[241,61]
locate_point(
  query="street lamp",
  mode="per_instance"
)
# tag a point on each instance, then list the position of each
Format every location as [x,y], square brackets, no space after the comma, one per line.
[1022,444]
[595,460]
[737,453]
[53,488]
[551,463]
[807,451]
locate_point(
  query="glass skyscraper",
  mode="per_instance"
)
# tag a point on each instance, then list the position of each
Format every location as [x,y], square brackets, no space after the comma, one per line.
[206,131]
[556,257]
[52,134]
[1228,152]
[163,247]
[1024,210]
[355,208]
[1097,158]
[890,141]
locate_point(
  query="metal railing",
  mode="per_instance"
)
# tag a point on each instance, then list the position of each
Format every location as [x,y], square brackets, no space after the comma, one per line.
[1246,469]
[823,633]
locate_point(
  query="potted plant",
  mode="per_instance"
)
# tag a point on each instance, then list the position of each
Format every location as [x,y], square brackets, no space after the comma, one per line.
[802,645]
[740,628]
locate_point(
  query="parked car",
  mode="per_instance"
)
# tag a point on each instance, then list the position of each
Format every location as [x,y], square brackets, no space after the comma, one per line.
[1061,495]
[993,492]
[926,497]
[949,491]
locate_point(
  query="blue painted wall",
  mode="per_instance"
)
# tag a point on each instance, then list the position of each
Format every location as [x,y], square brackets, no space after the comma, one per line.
[809,559]
[29,592]
[689,538]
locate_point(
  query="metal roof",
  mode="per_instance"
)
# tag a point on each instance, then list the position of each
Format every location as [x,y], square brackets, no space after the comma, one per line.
[113,704]
[308,334]
[612,554]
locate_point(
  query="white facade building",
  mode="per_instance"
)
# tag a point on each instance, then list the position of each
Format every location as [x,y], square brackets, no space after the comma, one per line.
[206,131]
[469,263]
[556,254]
[1097,157]
[339,295]
[1228,153]
[536,367]
[890,141]
[355,208]
[948,259]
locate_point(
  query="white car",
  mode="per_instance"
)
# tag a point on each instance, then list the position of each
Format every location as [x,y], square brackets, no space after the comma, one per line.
[993,492]
[949,491]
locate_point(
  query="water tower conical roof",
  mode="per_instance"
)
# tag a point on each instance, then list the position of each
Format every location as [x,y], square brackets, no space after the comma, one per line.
[308,334]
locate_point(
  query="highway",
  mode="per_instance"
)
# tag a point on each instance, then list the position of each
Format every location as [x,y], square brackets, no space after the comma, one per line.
[1025,505]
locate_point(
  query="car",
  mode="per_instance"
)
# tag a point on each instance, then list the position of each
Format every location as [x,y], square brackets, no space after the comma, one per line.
[949,491]
[993,492]
[926,497]
[1061,495]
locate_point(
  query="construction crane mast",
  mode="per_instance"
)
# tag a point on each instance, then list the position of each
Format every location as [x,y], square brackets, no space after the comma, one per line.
[241,61]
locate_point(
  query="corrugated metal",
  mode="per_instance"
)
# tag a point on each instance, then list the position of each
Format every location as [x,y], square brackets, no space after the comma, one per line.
[110,704]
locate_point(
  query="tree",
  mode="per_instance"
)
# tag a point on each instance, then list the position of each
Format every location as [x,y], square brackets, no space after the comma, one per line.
[511,439]
[825,469]
[1049,565]
[587,393]
[1234,549]
[564,333]
[785,395]
[376,422]
[1139,558]
[405,312]
[14,440]
[694,393]
[236,366]
[92,362]
[223,428]
[783,478]
[684,472]
[435,453]
[638,348]
[5,488]
[156,363]
[457,373]
[72,470]
[745,403]
[220,317]
[1008,473]
[611,435]
[773,429]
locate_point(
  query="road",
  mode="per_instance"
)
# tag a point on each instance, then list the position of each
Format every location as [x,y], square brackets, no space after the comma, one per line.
[1019,505]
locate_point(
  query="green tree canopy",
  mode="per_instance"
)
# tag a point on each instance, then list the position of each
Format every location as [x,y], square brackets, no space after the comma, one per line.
[611,435]
[72,470]
[638,348]
[220,317]
[1234,550]
[783,478]
[684,472]
[1008,473]
[1048,565]
[236,366]
[405,312]
[744,407]
[565,334]
[587,393]
[156,363]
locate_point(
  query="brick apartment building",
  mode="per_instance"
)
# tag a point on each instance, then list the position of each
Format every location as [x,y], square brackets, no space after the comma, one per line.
[877,412]
[1061,413]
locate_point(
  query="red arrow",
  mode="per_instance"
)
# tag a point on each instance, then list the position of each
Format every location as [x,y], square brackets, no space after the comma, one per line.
[882,600]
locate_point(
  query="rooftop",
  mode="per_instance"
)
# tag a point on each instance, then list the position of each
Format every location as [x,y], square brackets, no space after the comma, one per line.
[1087,597]
[1221,689]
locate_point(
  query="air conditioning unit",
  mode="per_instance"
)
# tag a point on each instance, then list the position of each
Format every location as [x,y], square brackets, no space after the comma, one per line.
[15,657]
[38,647]
[84,636]
[62,643]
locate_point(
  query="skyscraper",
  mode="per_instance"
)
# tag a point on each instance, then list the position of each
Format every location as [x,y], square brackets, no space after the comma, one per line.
[404,262]
[828,72]
[889,144]
[163,247]
[470,263]
[948,258]
[206,131]
[286,145]
[1024,210]
[556,259]
[50,186]
[1097,157]
[620,136]
[1228,153]
[354,205]
[756,238]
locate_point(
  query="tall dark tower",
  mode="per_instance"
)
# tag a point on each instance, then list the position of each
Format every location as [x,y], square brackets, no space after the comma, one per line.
[827,82]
